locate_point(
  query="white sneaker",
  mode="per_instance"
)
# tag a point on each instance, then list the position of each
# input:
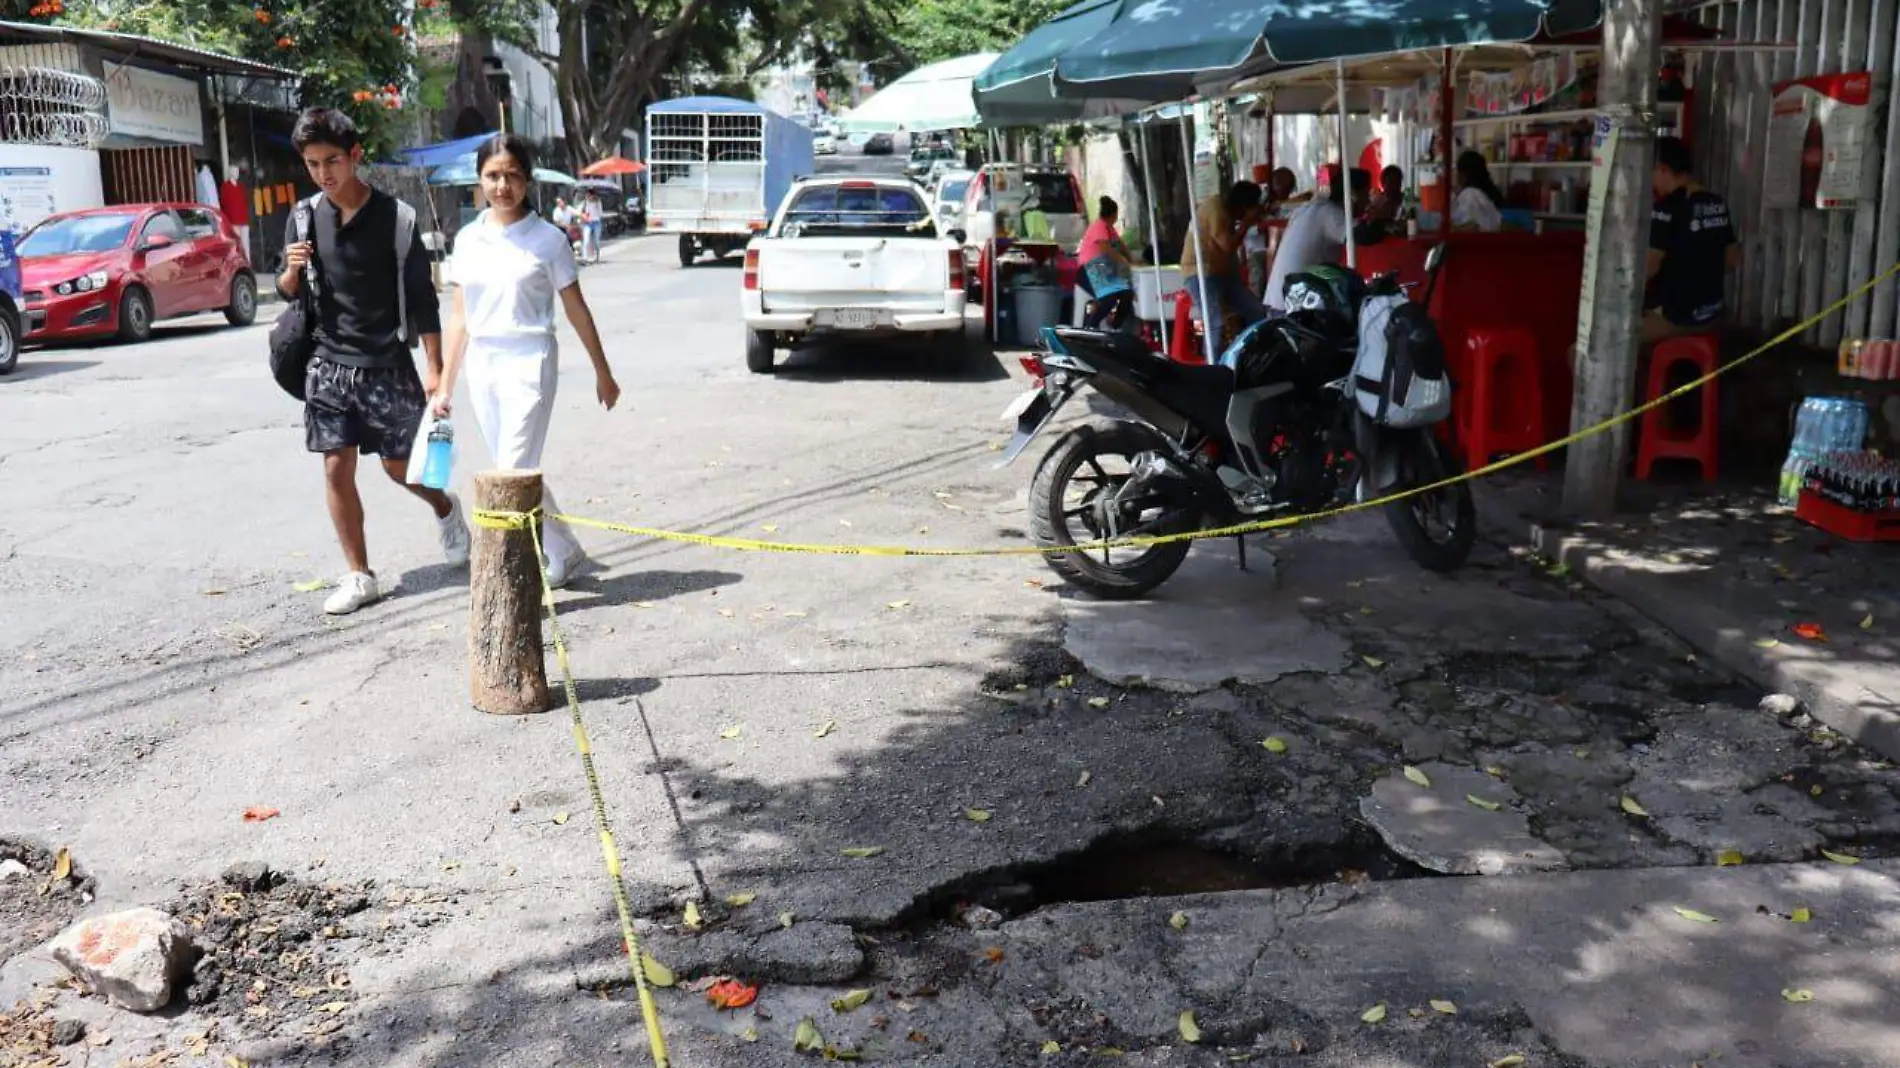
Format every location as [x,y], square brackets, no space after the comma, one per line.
[358,588]
[452,532]
[562,572]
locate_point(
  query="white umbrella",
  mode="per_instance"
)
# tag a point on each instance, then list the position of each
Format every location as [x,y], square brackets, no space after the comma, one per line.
[936,97]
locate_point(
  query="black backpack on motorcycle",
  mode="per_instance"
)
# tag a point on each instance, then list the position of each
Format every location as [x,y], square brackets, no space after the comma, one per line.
[1399,376]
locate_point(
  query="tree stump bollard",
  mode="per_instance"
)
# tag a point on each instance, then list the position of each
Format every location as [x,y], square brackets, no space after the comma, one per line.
[507,667]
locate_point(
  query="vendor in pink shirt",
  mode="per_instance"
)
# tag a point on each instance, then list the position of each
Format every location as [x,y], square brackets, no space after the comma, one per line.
[1106,267]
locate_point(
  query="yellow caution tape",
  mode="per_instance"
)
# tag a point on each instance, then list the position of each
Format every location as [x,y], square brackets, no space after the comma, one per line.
[517,520]
[649,1012]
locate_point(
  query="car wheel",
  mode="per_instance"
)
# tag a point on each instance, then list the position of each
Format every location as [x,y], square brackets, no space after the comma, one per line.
[135,314]
[761,350]
[242,311]
[9,340]
[688,251]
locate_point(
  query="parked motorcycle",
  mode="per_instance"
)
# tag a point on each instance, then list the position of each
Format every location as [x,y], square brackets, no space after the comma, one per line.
[1332,403]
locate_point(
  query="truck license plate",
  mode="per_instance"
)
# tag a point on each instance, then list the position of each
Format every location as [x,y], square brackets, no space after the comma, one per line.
[854,319]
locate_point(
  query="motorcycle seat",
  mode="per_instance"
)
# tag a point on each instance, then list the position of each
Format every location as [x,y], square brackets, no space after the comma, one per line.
[1197,391]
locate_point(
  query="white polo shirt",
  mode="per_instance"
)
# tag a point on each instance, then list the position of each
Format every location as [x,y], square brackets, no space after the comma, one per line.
[510,277]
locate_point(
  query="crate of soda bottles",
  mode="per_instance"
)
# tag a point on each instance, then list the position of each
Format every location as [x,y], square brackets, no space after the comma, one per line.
[1875,361]
[1823,426]
[1853,495]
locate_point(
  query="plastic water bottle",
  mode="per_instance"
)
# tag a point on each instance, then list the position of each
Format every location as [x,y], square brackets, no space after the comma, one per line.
[440,458]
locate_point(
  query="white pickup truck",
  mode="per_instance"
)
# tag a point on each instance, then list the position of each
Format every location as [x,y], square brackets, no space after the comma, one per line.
[851,257]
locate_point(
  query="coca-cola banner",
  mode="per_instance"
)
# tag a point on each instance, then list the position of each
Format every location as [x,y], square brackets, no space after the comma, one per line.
[1817,138]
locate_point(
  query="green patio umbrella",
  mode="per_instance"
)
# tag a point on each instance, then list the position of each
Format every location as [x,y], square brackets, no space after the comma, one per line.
[1160,39]
[1019,88]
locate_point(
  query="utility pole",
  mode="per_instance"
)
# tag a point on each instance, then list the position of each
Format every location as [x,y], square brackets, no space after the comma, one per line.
[1615,264]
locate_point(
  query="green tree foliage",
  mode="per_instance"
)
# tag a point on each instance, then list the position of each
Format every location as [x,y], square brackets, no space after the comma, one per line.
[933,30]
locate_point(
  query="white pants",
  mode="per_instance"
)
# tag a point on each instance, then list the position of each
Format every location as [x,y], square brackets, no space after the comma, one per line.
[511,391]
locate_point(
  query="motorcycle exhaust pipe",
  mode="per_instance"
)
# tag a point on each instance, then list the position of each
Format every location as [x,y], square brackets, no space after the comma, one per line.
[1185,486]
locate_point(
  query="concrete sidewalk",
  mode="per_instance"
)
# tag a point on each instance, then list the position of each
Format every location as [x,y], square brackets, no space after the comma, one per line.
[1734,574]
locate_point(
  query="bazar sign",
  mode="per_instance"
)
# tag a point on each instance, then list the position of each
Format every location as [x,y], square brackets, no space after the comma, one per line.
[141,103]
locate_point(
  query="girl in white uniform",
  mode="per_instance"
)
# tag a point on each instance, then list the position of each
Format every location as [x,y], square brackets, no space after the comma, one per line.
[508,267]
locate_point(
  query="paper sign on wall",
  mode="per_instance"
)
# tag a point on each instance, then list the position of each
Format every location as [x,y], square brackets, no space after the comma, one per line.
[143,103]
[1817,138]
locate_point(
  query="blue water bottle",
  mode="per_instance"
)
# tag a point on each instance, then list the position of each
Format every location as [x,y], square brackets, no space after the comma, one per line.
[436,463]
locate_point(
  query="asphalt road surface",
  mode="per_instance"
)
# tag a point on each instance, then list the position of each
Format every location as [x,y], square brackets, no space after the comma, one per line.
[831,756]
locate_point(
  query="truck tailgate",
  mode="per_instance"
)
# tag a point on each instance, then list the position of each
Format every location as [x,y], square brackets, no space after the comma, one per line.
[810,273]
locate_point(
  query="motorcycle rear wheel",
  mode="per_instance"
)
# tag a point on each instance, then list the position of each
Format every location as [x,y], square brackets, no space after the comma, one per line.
[1439,528]
[1084,464]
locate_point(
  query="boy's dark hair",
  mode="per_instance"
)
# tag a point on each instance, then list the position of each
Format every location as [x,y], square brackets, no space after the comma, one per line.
[1243,195]
[324,126]
[1674,156]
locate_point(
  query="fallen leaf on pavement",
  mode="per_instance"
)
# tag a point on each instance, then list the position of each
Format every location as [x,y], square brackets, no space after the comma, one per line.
[862,852]
[1274,744]
[656,973]
[770,528]
[807,1039]
[1416,1014]
[898,605]
[62,864]
[1065,682]
[1798,996]
[693,920]
[739,901]
[260,813]
[1698,917]
[786,919]
[311,585]
[561,818]
[1051,1048]
[1511,1060]
[977,815]
[1867,623]
[333,1007]
[732,994]
[1190,1031]
[1178,921]
[1417,776]
[797,615]
[994,955]
[1083,779]
[1374,1014]
[1840,858]
[1801,915]
[1494,771]
[1630,805]
[1445,1007]
[1729,858]
[1766,643]
[1811,631]
[215,591]
[1488,806]
[1373,662]
[1098,702]
[852,999]
[825,728]
[732,732]
[750,1034]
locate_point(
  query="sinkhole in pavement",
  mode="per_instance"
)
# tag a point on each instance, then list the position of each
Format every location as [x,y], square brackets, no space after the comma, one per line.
[1163,864]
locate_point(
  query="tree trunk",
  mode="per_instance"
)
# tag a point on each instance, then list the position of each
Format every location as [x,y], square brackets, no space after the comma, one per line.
[507,668]
[1613,294]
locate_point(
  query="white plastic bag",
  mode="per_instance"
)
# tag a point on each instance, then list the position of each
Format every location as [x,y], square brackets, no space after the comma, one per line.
[419,451]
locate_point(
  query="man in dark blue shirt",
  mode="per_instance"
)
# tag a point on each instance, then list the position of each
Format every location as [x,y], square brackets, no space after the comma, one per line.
[1692,248]
[362,391]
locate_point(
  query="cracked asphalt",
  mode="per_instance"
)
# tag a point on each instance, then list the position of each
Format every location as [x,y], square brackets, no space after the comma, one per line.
[1083,771]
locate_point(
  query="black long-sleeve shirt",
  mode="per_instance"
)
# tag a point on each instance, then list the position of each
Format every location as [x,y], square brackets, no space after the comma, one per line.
[357,317]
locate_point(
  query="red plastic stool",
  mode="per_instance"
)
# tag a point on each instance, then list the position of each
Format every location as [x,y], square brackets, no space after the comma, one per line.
[1657,438]
[1184,345]
[1503,410]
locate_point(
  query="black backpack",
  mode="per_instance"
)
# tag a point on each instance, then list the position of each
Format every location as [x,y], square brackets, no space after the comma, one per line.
[293,342]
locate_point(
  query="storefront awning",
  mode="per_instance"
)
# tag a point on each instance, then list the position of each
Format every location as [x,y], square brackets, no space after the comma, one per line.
[933,97]
[125,46]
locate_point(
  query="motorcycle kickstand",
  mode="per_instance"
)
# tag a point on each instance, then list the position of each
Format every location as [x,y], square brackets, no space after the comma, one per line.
[1241,541]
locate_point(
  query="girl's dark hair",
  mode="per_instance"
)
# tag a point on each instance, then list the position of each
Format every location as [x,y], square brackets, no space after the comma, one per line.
[506,144]
[1473,172]
[1106,208]
[324,126]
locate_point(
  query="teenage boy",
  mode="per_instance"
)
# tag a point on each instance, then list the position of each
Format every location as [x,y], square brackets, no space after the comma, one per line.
[362,392]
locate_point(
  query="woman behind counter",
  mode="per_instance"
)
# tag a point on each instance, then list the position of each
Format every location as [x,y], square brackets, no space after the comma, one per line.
[1479,205]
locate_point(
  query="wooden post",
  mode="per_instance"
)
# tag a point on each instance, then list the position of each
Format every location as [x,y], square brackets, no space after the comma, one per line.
[1606,361]
[507,669]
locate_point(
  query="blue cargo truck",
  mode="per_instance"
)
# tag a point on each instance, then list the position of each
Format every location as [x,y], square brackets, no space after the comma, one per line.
[717,169]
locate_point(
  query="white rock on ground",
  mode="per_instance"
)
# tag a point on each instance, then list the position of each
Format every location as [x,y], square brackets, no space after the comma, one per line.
[133,959]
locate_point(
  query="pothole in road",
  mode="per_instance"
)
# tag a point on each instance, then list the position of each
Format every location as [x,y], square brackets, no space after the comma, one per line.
[1153,864]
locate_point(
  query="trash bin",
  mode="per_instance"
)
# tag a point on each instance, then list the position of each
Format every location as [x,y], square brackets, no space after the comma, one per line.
[1036,307]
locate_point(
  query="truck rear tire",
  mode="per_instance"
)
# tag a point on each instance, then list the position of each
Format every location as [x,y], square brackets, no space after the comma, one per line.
[761,350]
[689,250]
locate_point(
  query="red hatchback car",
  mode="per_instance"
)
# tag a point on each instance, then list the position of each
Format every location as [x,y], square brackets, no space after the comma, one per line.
[115,271]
